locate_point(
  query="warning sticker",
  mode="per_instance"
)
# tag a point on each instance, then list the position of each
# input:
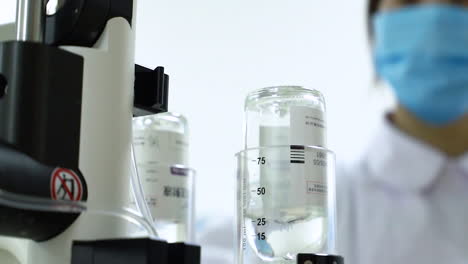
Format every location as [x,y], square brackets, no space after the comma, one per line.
[66,185]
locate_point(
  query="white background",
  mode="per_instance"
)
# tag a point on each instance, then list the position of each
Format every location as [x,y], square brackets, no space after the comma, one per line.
[216,51]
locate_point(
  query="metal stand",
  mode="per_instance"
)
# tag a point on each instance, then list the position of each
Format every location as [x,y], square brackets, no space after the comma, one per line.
[30,20]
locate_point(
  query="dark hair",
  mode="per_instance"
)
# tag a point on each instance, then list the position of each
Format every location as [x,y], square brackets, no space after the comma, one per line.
[372,9]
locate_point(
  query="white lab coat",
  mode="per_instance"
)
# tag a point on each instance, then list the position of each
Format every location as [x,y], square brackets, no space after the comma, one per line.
[403,202]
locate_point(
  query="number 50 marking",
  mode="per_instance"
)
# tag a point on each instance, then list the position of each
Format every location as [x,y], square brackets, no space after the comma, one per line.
[261,191]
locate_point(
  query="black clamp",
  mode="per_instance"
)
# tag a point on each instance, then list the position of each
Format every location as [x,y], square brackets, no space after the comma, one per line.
[319,259]
[151,91]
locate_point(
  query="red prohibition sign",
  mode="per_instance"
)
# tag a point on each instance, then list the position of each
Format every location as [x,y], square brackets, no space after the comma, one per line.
[65,185]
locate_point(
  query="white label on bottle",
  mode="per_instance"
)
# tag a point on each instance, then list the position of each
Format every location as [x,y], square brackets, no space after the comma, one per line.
[307,126]
[308,166]
[309,175]
[167,192]
[160,147]
[296,181]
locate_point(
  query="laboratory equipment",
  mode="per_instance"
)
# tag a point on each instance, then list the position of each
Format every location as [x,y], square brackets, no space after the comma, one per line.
[319,259]
[161,150]
[286,184]
[284,115]
[66,92]
[161,139]
[160,143]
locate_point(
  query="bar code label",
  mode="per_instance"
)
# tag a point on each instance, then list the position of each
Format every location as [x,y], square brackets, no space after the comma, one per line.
[297,154]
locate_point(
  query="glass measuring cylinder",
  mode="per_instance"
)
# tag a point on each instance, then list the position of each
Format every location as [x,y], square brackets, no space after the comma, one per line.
[284,115]
[286,203]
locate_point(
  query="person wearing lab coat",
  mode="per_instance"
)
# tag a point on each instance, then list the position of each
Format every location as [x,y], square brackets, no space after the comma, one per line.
[406,199]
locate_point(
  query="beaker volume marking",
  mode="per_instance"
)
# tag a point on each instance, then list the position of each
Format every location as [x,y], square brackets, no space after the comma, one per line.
[297,161]
[297,147]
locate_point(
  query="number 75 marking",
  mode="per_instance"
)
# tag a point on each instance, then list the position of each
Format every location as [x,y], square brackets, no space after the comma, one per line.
[261,160]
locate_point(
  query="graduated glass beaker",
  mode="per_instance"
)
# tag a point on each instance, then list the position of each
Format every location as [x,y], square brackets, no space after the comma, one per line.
[286,203]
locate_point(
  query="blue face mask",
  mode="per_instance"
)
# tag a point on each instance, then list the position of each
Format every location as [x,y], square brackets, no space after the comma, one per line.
[422,52]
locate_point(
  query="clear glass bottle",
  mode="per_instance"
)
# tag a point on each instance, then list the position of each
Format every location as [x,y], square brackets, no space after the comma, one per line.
[286,184]
[284,115]
[161,151]
[161,139]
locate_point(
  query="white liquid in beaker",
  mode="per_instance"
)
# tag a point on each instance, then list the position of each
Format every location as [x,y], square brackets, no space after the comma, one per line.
[286,202]
[274,240]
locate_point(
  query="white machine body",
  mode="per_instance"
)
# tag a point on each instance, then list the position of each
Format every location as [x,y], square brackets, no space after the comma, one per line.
[105,148]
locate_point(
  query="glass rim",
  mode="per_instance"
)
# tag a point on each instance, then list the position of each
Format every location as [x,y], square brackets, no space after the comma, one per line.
[283,88]
[280,91]
[306,147]
[279,87]
[162,115]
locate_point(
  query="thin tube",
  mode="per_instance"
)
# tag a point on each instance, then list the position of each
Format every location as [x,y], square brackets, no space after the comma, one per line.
[30,20]
[139,194]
